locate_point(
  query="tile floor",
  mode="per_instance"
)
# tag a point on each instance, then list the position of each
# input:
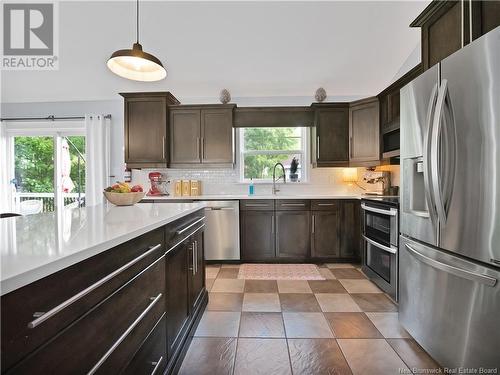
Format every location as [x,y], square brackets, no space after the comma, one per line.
[342,325]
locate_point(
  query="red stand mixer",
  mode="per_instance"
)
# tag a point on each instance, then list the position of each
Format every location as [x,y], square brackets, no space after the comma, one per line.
[158,184]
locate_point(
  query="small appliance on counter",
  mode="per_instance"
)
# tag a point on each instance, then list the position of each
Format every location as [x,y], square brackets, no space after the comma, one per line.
[380,222]
[158,184]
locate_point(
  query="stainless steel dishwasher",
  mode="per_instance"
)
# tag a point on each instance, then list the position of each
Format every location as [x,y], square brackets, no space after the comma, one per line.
[222,234]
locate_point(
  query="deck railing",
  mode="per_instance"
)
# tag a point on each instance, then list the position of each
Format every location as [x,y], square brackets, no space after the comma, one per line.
[48,200]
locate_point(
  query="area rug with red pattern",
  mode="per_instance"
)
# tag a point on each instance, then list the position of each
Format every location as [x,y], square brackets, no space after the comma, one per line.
[279,272]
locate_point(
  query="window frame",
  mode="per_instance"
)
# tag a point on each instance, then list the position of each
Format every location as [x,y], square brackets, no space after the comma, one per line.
[55,129]
[304,162]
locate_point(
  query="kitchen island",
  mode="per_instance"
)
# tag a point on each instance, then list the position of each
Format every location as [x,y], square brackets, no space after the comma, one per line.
[101,289]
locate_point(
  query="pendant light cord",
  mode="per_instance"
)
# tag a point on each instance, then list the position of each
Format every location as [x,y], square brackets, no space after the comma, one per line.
[137,20]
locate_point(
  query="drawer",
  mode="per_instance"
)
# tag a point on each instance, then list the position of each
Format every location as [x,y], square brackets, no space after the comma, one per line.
[257,205]
[293,204]
[103,340]
[179,230]
[70,293]
[324,205]
[152,356]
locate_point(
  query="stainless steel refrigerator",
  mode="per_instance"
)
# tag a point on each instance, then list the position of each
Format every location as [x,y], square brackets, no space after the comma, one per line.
[450,207]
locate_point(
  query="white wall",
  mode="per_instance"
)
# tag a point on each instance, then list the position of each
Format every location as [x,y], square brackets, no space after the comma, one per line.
[79,108]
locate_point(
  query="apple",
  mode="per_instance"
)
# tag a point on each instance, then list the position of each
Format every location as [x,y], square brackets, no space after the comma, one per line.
[136,189]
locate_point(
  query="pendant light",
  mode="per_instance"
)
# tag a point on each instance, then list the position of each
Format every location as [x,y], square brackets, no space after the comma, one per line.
[135,64]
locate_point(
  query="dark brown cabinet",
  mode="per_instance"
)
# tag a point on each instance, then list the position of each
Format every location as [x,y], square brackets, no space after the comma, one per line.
[389,102]
[447,26]
[325,229]
[330,135]
[125,310]
[201,135]
[293,230]
[196,269]
[146,128]
[297,230]
[351,229]
[257,238]
[364,130]
[178,293]
[185,136]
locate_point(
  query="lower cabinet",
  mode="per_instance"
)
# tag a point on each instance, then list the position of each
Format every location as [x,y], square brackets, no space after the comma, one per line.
[151,358]
[257,235]
[196,270]
[293,234]
[298,230]
[178,300]
[351,229]
[325,234]
[141,305]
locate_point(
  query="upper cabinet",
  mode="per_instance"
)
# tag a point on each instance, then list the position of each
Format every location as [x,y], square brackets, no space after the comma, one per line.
[330,135]
[146,129]
[449,25]
[201,135]
[364,131]
[389,116]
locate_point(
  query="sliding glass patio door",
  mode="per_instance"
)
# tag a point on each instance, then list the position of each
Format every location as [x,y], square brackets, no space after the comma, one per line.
[47,166]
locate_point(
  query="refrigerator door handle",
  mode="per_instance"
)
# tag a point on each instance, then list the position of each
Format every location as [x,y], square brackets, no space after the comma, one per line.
[434,152]
[457,271]
[426,154]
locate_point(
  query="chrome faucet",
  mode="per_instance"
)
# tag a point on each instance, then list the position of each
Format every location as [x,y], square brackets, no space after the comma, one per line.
[275,190]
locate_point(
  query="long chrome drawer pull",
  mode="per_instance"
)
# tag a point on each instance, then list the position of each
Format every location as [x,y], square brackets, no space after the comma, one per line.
[156,365]
[391,212]
[326,204]
[257,205]
[184,239]
[189,226]
[460,272]
[380,246]
[42,317]
[124,335]
[293,204]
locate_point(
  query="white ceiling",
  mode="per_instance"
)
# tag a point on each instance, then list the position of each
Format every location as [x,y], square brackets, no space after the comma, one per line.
[255,49]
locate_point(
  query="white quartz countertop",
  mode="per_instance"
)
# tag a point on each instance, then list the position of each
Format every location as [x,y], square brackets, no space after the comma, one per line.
[243,196]
[36,246]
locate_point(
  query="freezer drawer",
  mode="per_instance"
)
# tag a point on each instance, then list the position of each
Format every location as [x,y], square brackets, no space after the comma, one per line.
[450,306]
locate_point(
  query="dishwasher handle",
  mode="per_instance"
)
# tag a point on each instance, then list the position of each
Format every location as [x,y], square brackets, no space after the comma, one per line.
[219,208]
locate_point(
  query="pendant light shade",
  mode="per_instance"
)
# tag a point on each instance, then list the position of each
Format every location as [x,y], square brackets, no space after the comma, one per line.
[135,64]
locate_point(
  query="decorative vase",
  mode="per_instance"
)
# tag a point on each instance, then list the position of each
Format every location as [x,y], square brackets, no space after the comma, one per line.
[225,96]
[294,177]
[320,95]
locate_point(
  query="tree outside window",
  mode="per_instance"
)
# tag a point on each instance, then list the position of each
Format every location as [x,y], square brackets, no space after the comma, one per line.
[262,148]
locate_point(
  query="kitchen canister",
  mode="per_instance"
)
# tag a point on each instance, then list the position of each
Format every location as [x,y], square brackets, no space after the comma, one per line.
[178,188]
[186,188]
[195,188]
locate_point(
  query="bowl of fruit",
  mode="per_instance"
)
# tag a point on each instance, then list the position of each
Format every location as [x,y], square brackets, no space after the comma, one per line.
[122,194]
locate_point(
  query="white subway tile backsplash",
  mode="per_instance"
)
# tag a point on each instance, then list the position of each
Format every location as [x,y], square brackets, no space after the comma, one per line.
[226,181]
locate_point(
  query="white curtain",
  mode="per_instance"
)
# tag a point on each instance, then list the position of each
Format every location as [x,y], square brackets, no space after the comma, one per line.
[97,155]
[5,165]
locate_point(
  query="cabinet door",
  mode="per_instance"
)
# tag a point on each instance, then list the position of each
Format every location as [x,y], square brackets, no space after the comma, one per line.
[177,294]
[325,234]
[364,131]
[257,235]
[185,137]
[196,269]
[217,136]
[146,130]
[350,230]
[332,136]
[293,234]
